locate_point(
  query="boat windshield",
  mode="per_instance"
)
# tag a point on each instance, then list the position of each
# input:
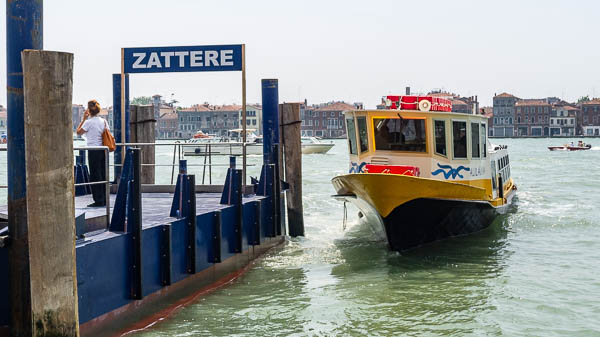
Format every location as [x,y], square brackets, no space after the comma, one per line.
[400,134]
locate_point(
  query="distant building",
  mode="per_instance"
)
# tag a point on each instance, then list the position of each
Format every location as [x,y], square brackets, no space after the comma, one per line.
[214,120]
[3,114]
[563,120]
[77,111]
[325,120]
[192,119]
[168,125]
[253,117]
[590,117]
[504,115]
[532,117]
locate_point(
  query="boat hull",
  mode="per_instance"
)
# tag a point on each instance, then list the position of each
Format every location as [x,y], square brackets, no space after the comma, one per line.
[414,211]
[316,148]
[423,221]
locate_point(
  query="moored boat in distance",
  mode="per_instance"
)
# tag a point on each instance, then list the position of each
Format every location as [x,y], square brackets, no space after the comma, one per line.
[422,173]
[314,145]
[230,145]
[571,147]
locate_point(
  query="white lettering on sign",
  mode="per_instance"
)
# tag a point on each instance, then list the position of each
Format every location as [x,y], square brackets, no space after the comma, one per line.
[140,57]
[181,55]
[193,58]
[211,57]
[153,61]
[196,58]
[167,55]
[227,57]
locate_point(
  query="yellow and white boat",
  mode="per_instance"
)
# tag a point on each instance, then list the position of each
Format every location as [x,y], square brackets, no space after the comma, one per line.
[422,176]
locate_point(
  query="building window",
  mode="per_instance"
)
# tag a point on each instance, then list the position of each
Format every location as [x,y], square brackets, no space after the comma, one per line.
[317,122]
[332,114]
[475,140]
[459,139]
[440,137]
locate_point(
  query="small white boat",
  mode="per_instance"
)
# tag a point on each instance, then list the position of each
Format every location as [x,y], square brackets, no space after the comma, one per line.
[314,145]
[571,147]
[230,145]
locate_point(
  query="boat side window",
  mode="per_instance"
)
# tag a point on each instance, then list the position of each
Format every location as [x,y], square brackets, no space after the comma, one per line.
[459,139]
[400,134]
[351,135]
[363,137]
[440,137]
[483,141]
[475,140]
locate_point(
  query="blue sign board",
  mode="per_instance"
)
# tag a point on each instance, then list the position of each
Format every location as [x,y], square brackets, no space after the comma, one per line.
[183,59]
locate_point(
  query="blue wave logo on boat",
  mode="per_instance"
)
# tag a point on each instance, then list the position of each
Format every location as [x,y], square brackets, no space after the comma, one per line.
[356,168]
[452,172]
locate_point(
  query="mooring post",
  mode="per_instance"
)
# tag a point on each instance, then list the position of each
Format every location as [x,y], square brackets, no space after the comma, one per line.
[237,186]
[117,120]
[48,86]
[142,130]
[134,223]
[291,122]
[191,223]
[24,30]
[270,102]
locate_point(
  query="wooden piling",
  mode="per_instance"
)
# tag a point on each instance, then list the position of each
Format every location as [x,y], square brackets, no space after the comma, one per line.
[143,127]
[292,149]
[48,85]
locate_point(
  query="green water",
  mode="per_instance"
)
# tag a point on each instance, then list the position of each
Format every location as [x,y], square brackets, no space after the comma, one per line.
[534,272]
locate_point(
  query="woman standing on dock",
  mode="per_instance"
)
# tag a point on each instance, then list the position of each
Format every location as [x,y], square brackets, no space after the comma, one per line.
[93,126]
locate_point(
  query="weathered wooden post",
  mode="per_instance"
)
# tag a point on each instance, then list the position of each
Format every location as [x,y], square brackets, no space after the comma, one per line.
[290,121]
[48,87]
[24,30]
[142,128]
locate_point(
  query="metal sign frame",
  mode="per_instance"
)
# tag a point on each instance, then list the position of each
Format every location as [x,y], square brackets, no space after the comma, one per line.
[185,59]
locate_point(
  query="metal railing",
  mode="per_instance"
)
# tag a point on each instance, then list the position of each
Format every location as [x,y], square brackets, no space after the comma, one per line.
[207,153]
[106,177]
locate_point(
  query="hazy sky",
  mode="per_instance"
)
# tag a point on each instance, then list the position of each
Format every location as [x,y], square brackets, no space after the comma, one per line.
[356,51]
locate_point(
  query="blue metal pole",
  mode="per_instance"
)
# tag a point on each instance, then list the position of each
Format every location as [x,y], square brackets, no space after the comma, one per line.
[270,102]
[117,119]
[24,30]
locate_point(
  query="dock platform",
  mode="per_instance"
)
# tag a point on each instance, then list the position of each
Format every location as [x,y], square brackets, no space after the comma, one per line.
[172,270]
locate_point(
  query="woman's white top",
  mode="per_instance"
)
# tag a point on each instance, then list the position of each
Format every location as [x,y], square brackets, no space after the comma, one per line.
[94,127]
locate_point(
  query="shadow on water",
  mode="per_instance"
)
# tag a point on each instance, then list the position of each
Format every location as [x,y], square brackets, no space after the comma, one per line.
[440,288]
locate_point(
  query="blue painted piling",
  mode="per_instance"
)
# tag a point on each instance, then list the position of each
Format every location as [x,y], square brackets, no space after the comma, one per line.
[24,30]
[270,102]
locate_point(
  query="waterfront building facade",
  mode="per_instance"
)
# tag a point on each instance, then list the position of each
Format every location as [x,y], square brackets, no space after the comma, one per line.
[325,120]
[3,115]
[563,120]
[532,117]
[253,118]
[590,117]
[77,111]
[504,115]
[168,125]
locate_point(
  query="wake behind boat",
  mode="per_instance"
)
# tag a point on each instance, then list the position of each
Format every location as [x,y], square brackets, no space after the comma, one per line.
[423,173]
